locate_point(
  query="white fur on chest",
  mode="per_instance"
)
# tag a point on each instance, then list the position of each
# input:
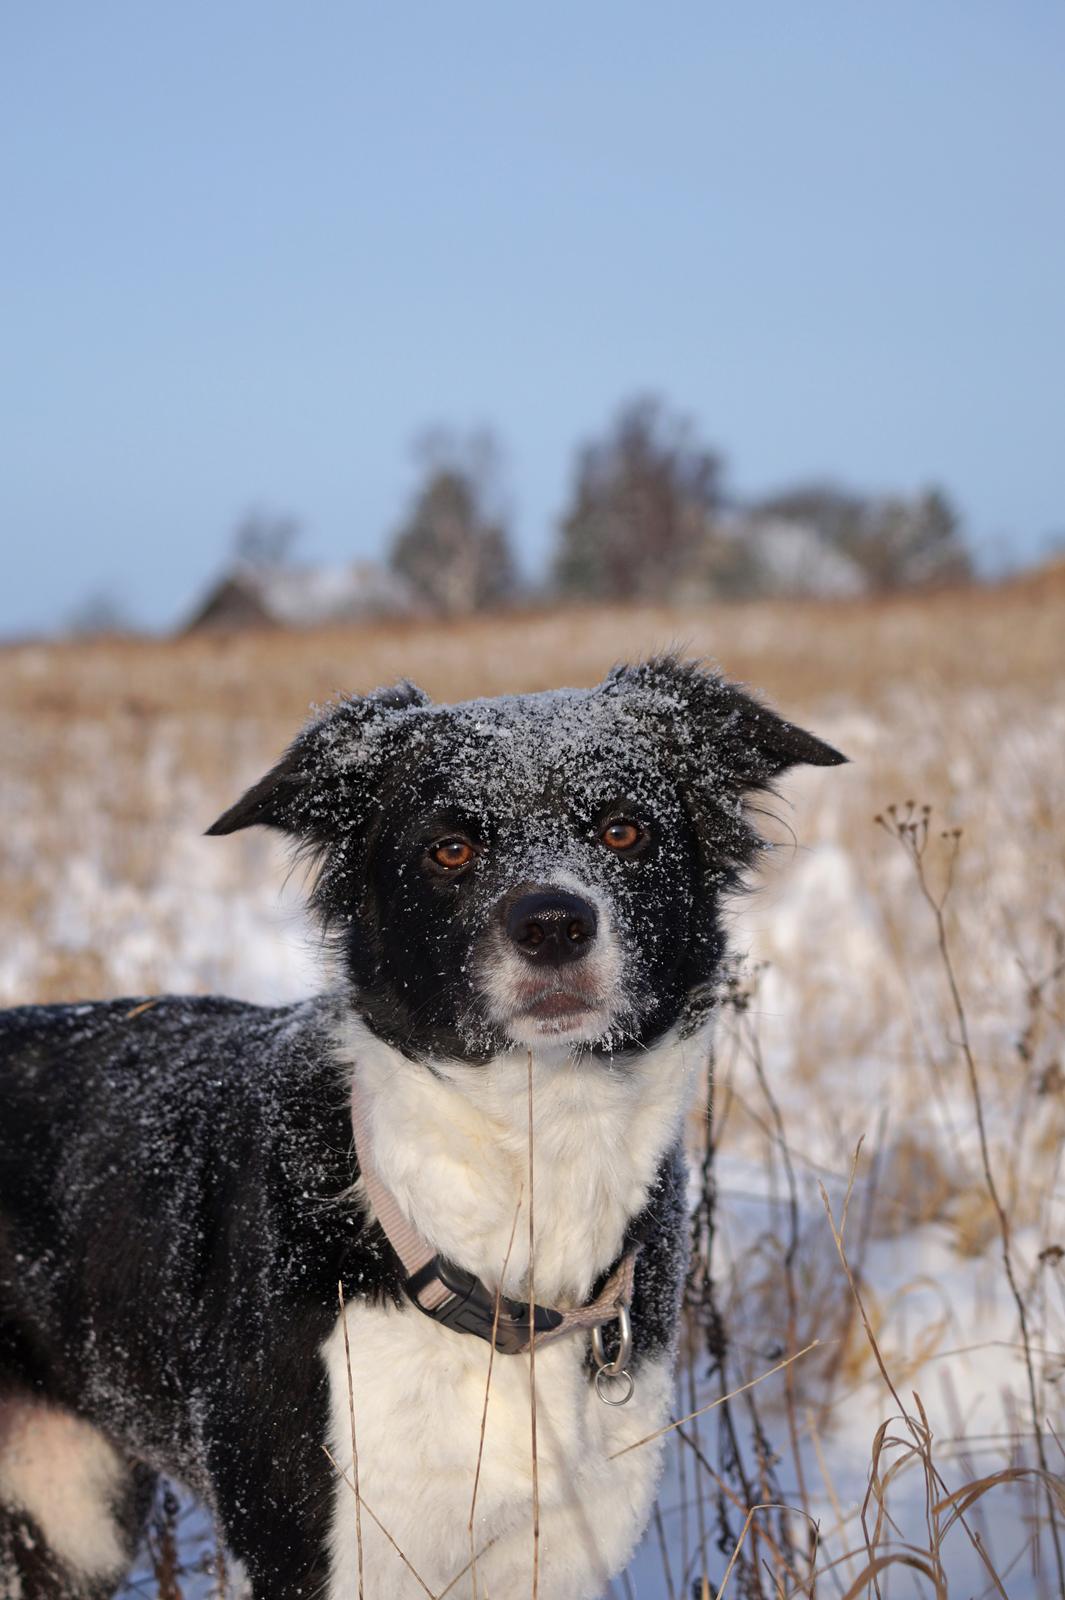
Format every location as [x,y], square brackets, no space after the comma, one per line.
[419,1393]
[454,1150]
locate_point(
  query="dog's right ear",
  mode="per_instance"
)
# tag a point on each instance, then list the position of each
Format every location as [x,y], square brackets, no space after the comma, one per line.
[323,767]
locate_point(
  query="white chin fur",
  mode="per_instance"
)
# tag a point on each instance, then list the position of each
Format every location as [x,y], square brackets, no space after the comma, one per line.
[585,1028]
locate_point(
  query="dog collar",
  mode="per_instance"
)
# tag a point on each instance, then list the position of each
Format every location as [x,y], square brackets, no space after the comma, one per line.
[459,1300]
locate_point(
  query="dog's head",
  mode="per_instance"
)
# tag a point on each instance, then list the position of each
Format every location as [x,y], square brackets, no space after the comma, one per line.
[543,869]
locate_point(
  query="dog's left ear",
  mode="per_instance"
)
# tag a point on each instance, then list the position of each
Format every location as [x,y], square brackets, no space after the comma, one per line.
[723,746]
[327,770]
[719,731]
[761,745]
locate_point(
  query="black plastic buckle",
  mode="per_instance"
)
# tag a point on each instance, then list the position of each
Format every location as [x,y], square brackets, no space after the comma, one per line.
[471,1308]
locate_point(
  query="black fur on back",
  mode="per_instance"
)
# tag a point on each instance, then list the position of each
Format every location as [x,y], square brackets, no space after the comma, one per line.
[175,1227]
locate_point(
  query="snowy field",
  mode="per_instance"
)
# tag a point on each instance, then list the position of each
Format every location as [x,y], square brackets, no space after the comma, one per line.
[904,1444]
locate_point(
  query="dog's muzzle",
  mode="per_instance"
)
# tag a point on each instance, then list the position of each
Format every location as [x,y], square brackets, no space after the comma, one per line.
[549,967]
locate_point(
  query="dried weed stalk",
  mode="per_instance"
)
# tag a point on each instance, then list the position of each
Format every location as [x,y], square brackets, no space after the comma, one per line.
[920,1433]
[354,1439]
[532,1354]
[910,827]
[487,1390]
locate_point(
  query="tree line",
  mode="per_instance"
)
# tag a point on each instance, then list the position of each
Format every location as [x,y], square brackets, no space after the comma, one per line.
[649,517]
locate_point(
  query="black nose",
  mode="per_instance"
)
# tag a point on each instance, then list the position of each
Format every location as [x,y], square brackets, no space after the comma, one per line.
[550,927]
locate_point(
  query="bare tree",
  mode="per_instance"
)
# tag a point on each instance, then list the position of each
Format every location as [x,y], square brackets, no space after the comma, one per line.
[453,547]
[644,499]
[264,539]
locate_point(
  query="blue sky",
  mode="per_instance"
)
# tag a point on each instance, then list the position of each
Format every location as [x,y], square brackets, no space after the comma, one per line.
[252,249]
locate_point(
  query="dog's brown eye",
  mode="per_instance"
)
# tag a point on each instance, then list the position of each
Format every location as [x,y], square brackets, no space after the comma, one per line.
[452,853]
[622,836]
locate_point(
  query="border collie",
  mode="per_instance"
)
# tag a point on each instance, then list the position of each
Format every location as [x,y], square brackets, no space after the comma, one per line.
[522,902]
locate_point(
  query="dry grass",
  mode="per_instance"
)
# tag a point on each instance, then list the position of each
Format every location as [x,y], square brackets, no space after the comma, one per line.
[843,1025]
[790,649]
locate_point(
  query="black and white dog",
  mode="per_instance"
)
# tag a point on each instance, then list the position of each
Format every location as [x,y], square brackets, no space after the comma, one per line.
[523,902]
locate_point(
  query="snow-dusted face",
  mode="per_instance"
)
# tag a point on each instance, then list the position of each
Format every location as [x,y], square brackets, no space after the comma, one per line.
[557,903]
[530,870]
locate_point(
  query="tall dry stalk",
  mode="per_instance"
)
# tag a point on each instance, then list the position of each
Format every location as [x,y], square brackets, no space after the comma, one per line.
[918,1427]
[354,1438]
[487,1391]
[376,1520]
[712,1405]
[532,1354]
[790,1256]
[707,1322]
[910,829]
